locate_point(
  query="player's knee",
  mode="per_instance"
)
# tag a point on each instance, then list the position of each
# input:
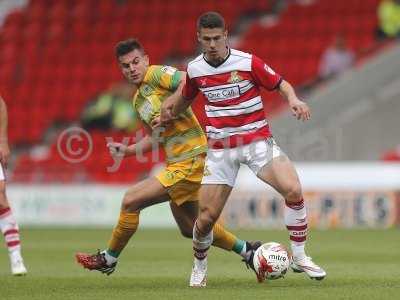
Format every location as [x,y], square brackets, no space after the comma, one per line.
[129,203]
[208,217]
[294,193]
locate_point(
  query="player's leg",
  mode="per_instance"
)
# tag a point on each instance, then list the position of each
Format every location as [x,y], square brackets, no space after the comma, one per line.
[146,193]
[143,194]
[281,174]
[183,190]
[220,173]
[211,202]
[10,230]
[185,216]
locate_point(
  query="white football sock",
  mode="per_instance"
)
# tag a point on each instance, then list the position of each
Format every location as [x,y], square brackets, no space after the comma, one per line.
[201,243]
[10,230]
[296,223]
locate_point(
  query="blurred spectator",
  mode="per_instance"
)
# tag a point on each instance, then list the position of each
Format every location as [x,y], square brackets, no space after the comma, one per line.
[392,155]
[111,110]
[7,6]
[389,19]
[336,59]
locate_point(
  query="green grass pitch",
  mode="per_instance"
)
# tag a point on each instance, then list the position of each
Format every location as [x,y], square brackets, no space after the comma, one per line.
[361,264]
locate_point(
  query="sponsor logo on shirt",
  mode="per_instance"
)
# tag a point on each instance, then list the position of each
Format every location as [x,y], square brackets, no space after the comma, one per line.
[222,93]
[146,111]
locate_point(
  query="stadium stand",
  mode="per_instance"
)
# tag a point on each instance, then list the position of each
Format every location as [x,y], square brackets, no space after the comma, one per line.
[349,123]
[64,56]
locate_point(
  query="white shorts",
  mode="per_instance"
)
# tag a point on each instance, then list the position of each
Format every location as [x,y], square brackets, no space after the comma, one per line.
[222,165]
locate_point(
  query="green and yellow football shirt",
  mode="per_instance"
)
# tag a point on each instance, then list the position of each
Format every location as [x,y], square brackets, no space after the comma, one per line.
[184,137]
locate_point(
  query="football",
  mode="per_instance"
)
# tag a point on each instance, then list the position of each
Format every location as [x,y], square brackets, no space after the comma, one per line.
[271,261]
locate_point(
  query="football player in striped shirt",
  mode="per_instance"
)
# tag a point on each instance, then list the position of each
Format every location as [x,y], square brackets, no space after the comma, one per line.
[185,146]
[238,133]
[8,224]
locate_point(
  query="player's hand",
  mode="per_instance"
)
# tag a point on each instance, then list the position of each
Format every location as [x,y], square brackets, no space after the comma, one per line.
[117,149]
[4,154]
[156,122]
[166,113]
[300,110]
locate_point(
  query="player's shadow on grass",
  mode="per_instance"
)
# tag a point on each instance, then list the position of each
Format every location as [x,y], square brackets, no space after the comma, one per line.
[172,283]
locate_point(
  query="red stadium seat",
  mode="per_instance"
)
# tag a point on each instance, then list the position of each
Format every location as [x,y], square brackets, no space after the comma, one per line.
[304,31]
[65,55]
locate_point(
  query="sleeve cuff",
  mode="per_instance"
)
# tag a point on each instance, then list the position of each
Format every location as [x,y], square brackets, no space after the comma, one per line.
[277,84]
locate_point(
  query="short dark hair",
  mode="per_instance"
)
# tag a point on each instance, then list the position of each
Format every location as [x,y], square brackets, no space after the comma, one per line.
[210,20]
[126,46]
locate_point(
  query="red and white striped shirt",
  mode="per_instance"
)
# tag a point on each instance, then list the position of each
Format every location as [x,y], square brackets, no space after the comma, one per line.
[232,91]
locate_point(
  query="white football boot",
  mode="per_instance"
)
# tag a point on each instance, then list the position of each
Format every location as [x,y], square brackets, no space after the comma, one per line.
[17,265]
[307,266]
[198,278]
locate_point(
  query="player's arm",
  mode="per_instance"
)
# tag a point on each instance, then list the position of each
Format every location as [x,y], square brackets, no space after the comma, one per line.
[270,80]
[299,108]
[177,103]
[180,100]
[4,149]
[146,144]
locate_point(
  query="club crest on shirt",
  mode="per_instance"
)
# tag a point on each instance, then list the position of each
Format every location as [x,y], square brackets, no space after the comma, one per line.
[203,82]
[235,78]
[147,90]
